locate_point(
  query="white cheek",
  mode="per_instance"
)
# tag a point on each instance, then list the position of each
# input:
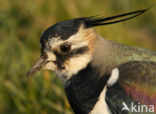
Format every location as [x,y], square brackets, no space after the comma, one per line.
[76,64]
[50,66]
[51,56]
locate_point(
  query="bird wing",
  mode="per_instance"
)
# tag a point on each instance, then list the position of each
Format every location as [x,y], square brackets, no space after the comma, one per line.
[136,83]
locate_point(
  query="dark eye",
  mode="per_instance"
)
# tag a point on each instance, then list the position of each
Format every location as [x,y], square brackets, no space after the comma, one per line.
[65,48]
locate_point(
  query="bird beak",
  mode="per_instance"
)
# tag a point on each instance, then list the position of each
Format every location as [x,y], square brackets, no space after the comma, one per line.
[37,67]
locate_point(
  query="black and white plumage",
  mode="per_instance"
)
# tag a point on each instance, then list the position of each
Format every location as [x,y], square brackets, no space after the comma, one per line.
[98,75]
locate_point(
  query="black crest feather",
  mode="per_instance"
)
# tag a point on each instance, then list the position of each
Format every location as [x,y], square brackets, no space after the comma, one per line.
[98,21]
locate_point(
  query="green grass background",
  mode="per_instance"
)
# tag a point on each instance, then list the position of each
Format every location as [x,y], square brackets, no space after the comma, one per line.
[21,25]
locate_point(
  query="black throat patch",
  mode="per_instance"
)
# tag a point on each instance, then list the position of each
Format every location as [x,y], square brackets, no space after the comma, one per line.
[83,89]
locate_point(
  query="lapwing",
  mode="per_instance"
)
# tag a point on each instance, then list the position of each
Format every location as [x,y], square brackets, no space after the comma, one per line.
[99,76]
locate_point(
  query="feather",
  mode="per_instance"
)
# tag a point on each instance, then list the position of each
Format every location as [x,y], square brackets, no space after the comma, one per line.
[98,21]
[136,83]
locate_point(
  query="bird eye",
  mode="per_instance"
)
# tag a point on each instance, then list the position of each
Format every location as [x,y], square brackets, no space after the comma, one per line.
[65,48]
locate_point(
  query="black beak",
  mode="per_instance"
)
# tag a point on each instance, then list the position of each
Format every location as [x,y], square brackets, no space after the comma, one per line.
[37,67]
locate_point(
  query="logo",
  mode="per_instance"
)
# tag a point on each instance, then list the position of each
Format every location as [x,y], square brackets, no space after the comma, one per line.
[137,107]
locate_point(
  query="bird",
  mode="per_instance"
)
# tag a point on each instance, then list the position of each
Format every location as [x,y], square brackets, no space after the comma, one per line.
[99,76]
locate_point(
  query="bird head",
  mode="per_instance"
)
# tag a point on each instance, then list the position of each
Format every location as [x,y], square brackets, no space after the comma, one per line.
[67,47]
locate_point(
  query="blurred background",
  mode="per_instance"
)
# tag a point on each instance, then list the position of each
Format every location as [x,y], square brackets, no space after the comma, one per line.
[21,25]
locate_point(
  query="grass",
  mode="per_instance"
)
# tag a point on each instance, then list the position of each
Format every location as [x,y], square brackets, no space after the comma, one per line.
[21,25]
